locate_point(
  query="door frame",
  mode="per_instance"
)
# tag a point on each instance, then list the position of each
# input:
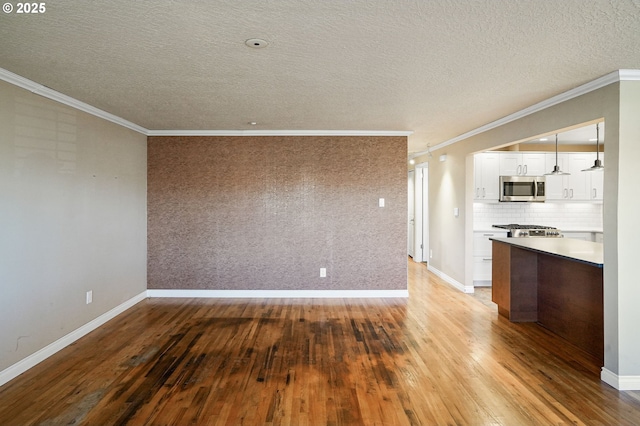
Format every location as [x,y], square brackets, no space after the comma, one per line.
[421,212]
[411,218]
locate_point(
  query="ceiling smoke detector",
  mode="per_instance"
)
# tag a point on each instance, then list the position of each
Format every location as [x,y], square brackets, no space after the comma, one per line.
[256,43]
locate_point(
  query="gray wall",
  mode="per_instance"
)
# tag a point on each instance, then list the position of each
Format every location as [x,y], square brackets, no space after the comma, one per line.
[73,215]
[266,213]
[624,215]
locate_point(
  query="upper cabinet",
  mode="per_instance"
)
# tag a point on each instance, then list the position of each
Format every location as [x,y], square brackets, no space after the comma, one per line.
[486,176]
[522,164]
[579,181]
[577,185]
[556,184]
[597,182]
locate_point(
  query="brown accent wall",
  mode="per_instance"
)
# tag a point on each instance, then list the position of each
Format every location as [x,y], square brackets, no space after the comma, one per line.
[266,213]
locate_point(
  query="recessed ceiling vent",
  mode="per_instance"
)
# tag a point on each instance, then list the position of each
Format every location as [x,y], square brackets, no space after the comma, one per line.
[256,43]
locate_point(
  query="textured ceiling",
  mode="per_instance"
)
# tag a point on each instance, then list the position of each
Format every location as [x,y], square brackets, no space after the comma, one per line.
[439,68]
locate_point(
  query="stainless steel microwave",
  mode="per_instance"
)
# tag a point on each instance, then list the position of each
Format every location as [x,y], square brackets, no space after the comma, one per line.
[522,188]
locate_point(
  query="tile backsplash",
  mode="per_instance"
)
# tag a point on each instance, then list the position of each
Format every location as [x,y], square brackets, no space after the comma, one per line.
[564,216]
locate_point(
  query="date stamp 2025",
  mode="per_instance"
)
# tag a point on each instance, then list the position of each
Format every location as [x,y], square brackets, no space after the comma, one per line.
[24,8]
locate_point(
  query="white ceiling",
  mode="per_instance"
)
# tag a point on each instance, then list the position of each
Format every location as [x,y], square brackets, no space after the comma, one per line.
[439,68]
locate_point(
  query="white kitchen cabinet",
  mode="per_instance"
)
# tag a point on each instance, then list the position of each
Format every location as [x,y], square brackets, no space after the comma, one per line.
[510,163]
[576,186]
[596,237]
[486,176]
[580,182]
[586,236]
[555,184]
[597,182]
[534,164]
[522,164]
[482,256]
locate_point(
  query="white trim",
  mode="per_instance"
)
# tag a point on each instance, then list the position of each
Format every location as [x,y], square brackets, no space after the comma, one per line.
[605,80]
[39,89]
[48,93]
[457,284]
[280,294]
[23,365]
[278,133]
[629,75]
[623,383]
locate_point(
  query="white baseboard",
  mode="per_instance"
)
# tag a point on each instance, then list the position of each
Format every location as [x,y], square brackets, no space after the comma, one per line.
[623,383]
[457,284]
[23,365]
[280,294]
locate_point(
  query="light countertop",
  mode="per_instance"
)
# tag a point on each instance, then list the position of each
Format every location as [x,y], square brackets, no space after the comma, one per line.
[569,248]
[561,229]
[491,230]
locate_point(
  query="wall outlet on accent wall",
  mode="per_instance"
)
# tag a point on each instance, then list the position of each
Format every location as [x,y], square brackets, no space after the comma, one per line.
[323,272]
[89,296]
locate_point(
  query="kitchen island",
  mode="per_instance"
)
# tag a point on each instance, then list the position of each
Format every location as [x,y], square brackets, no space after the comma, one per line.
[556,282]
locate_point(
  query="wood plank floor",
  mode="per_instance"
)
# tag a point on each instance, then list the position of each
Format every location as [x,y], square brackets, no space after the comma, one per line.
[438,358]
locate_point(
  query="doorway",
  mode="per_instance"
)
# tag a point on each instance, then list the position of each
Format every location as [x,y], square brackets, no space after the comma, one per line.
[411,214]
[418,214]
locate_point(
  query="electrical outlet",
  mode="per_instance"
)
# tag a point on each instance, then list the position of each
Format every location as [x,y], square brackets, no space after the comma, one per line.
[323,272]
[430,254]
[89,296]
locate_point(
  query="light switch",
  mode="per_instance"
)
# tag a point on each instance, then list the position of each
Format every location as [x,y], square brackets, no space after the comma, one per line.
[381,202]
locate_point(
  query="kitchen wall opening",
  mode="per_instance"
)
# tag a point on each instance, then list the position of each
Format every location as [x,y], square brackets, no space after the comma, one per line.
[572,203]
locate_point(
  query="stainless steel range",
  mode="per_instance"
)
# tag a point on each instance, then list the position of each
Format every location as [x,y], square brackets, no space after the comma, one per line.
[522,231]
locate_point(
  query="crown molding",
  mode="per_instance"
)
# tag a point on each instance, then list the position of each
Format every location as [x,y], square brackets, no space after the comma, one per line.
[39,89]
[629,75]
[48,93]
[605,80]
[278,133]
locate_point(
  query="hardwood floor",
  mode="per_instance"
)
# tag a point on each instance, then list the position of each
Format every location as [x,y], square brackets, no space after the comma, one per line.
[439,358]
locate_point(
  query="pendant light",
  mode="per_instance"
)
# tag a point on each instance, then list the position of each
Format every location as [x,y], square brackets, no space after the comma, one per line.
[556,170]
[597,166]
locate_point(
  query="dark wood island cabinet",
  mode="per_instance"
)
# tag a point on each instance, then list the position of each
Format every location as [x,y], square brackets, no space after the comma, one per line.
[556,282]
